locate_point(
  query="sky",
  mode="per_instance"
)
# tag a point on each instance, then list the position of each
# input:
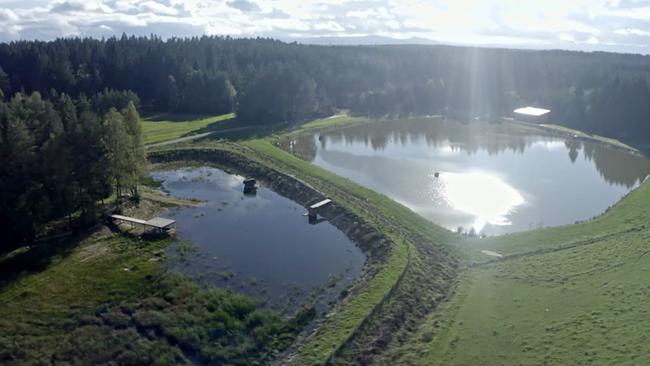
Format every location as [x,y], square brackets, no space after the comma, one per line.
[609,25]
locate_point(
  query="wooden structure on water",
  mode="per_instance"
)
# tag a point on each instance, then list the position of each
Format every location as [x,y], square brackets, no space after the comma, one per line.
[159,225]
[312,210]
[250,186]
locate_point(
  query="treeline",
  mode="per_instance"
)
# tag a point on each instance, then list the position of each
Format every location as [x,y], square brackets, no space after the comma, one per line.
[268,81]
[62,156]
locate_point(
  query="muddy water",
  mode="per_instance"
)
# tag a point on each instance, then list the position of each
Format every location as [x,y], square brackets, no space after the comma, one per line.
[486,178]
[261,244]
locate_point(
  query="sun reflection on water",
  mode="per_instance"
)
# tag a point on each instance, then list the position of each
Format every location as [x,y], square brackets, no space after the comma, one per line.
[485,197]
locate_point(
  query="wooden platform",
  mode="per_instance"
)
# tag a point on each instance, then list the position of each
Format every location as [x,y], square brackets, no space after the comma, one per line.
[130,220]
[312,210]
[158,223]
[320,204]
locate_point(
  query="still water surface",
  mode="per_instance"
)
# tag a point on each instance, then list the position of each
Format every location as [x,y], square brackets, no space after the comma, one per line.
[261,244]
[494,179]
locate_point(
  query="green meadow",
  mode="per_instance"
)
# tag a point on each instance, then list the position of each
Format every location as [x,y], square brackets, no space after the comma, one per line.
[571,295]
[575,294]
[160,128]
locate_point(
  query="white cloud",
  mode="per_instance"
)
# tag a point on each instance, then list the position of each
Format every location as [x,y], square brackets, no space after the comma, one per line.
[640,13]
[329,26]
[586,24]
[157,8]
[7,15]
[244,5]
[567,37]
[632,32]
[371,13]
[593,40]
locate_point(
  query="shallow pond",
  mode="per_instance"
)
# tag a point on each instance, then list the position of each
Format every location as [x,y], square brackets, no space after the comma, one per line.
[487,178]
[261,244]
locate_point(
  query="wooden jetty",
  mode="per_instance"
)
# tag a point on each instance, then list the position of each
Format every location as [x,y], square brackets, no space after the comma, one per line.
[312,210]
[157,224]
[250,182]
[250,186]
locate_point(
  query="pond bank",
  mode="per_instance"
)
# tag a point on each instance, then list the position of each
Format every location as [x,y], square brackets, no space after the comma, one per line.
[258,243]
[415,277]
[101,297]
[490,179]
[373,243]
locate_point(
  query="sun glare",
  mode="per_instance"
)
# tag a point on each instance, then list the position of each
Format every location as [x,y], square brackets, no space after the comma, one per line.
[484,196]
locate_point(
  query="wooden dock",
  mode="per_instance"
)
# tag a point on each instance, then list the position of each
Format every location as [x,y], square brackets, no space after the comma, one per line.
[320,204]
[159,224]
[312,210]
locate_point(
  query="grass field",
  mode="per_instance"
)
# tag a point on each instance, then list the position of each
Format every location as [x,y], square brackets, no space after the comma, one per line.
[105,300]
[575,294]
[409,262]
[571,295]
[406,273]
[169,127]
[35,309]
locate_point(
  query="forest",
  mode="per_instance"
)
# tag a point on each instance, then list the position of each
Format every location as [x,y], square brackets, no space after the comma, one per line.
[69,131]
[59,158]
[268,81]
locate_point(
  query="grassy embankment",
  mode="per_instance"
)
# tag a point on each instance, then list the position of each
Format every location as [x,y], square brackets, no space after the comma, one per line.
[563,295]
[571,133]
[574,294]
[341,325]
[104,299]
[160,128]
[569,295]
[413,279]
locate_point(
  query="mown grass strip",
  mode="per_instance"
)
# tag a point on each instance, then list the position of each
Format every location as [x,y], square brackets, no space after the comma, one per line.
[346,319]
[164,130]
[630,213]
[342,325]
[573,294]
[391,218]
[377,204]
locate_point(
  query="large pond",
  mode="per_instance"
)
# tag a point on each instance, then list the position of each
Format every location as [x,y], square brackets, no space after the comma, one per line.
[480,177]
[259,244]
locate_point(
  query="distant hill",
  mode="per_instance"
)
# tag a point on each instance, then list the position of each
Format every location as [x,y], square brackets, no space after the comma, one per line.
[362,40]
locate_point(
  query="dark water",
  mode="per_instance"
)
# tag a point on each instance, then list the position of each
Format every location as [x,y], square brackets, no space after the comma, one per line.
[264,242]
[494,179]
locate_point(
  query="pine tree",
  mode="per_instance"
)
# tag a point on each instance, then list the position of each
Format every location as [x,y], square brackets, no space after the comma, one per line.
[137,156]
[118,147]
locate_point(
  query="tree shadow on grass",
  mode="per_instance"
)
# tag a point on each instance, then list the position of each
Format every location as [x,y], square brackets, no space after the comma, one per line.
[34,258]
[173,117]
[234,130]
[37,257]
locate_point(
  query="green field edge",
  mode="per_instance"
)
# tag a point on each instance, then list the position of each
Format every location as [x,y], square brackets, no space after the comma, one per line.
[627,220]
[349,316]
[346,318]
[157,131]
[342,324]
